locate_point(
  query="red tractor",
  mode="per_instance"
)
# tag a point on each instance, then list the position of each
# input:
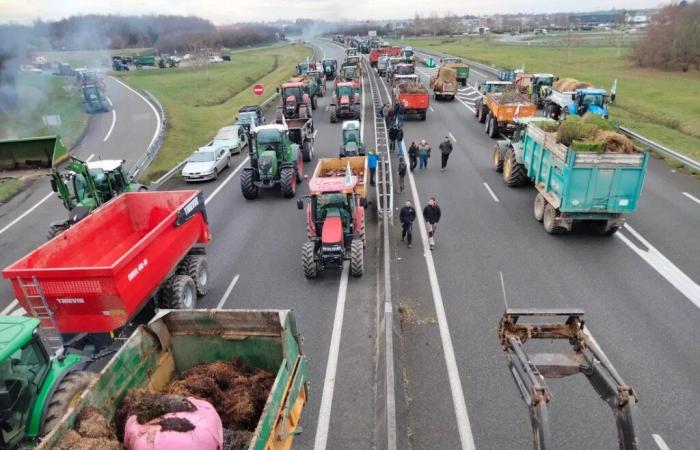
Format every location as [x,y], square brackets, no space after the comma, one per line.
[346,102]
[294,102]
[335,216]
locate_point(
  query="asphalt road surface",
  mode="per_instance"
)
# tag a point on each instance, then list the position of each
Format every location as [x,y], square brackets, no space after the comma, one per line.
[637,289]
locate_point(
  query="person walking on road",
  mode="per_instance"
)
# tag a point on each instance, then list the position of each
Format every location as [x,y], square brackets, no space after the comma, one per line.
[445,150]
[402,172]
[424,154]
[407,215]
[431,214]
[389,116]
[372,164]
[413,155]
[399,138]
[392,137]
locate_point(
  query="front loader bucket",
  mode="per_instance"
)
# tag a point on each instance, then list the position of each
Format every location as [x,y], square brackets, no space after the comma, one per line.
[32,153]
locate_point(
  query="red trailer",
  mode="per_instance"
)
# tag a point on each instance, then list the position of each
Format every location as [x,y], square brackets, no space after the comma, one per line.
[377,52]
[97,275]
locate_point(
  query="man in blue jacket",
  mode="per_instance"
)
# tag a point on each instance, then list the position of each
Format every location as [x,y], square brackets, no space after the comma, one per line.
[372,160]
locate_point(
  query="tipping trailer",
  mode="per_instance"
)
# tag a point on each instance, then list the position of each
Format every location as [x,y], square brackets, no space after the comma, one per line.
[383,50]
[96,276]
[458,65]
[413,95]
[301,132]
[175,341]
[572,186]
[33,153]
[444,83]
[503,109]
[335,216]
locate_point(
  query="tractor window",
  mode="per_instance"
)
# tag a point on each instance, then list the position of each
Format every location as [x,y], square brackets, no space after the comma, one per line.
[294,91]
[80,187]
[345,90]
[592,99]
[117,180]
[102,184]
[352,135]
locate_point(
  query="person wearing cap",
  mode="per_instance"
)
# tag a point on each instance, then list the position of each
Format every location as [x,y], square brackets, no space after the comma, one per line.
[431,214]
[372,160]
[423,153]
[445,150]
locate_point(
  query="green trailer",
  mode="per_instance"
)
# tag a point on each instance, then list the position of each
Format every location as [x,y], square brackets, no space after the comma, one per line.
[144,60]
[176,340]
[458,65]
[573,186]
[32,153]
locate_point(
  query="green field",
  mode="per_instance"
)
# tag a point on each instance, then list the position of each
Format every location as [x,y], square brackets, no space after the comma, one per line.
[663,106]
[44,94]
[9,187]
[200,100]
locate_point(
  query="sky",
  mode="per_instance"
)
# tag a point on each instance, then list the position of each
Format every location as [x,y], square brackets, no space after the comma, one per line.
[222,12]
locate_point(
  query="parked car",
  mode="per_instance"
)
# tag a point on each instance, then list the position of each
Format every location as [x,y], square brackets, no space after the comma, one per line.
[206,164]
[232,138]
[215,59]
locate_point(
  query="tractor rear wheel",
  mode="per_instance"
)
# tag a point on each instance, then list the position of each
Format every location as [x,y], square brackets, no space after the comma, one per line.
[488,123]
[482,112]
[550,214]
[64,396]
[307,151]
[513,172]
[300,169]
[464,82]
[197,268]
[496,160]
[363,234]
[178,292]
[308,262]
[538,207]
[357,258]
[248,187]
[332,114]
[288,182]
[493,128]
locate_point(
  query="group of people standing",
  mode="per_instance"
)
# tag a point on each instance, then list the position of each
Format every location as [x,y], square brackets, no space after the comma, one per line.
[421,153]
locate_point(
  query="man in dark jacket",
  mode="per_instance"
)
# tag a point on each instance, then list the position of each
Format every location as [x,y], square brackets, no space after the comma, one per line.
[392,137]
[445,150]
[402,172]
[431,214]
[407,216]
[413,155]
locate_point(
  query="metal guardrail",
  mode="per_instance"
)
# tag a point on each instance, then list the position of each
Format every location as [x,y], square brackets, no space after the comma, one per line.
[660,148]
[155,145]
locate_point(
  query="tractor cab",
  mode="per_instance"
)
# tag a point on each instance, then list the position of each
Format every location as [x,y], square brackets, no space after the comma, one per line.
[540,84]
[350,52]
[494,87]
[293,96]
[407,55]
[405,79]
[304,67]
[352,61]
[352,139]
[590,100]
[330,66]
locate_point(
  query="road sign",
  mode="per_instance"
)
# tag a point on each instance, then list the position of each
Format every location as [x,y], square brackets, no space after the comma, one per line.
[258,89]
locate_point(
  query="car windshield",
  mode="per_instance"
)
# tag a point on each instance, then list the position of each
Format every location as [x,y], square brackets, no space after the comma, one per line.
[593,99]
[202,157]
[227,133]
[344,90]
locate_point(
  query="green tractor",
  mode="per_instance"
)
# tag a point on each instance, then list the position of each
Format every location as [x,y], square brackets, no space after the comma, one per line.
[36,389]
[274,161]
[85,186]
[94,99]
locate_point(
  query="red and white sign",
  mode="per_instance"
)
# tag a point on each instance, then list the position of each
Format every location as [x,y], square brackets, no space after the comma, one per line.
[258,89]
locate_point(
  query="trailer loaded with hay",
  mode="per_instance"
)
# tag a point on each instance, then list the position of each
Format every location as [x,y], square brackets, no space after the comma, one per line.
[204,379]
[570,97]
[583,170]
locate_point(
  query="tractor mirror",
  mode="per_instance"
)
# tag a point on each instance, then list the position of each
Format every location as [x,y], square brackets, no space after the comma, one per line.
[300,204]
[363,202]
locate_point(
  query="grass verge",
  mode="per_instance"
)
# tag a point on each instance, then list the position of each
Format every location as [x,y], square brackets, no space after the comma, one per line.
[9,187]
[661,105]
[200,100]
[39,95]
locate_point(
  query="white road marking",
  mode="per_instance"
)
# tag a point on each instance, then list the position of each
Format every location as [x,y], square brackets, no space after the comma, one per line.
[89,157]
[110,102]
[454,139]
[111,127]
[9,307]
[465,105]
[660,442]
[225,182]
[362,113]
[662,265]
[324,414]
[488,188]
[153,108]
[26,213]
[431,109]
[465,431]
[230,287]
[18,312]
[692,197]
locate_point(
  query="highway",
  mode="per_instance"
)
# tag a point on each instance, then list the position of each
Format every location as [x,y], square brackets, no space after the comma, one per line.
[638,289]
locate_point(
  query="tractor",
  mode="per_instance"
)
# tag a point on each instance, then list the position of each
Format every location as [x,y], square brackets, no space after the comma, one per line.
[85,186]
[352,139]
[345,103]
[274,161]
[330,67]
[320,80]
[335,216]
[94,99]
[36,388]
[294,102]
[350,74]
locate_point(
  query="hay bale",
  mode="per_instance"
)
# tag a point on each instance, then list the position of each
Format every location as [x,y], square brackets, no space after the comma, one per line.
[570,84]
[574,130]
[587,146]
[613,142]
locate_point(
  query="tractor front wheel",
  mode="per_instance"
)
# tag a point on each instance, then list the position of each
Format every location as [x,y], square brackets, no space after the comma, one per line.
[288,182]
[313,103]
[332,114]
[308,261]
[178,292]
[248,187]
[493,128]
[300,169]
[496,160]
[64,396]
[513,172]
[357,258]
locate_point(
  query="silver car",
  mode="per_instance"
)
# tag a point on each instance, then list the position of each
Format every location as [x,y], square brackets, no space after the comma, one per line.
[206,164]
[233,138]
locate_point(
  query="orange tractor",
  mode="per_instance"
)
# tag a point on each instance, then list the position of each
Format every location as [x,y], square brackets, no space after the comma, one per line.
[335,216]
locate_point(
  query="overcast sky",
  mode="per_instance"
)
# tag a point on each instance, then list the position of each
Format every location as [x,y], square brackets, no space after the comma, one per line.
[224,12]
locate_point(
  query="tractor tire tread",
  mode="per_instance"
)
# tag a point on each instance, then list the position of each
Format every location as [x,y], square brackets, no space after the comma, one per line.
[171,293]
[307,260]
[68,388]
[357,258]
[287,182]
[191,266]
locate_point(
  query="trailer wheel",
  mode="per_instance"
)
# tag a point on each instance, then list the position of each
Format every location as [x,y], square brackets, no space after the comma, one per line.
[248,187]
[307,259]
[307,151]
[493,128]
[538,207]
[357,258]
[197,268]
[551,213]
[607,230]
[178,292]
[332,114]
[513,172]
[488,123]
[496,160]
[64,396]
[288,182]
